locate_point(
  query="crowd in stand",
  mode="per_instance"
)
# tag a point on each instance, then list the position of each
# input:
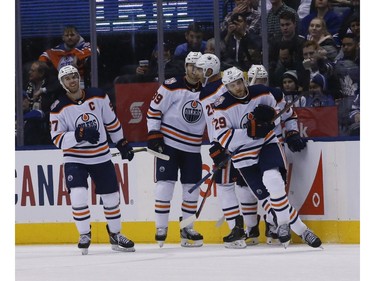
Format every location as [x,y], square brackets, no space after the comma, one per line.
[313,46]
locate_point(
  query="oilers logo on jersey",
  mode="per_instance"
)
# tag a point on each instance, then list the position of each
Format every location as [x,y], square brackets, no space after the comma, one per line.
[87,120]
[245,119]
[192,111]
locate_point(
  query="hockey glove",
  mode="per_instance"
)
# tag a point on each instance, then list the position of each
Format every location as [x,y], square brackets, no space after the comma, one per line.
[89,134]
[155,141]
[294,141]
[259,129]
[125,149]
[264,113]
[218,154]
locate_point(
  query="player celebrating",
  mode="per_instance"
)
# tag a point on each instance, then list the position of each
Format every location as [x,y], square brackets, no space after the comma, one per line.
[175,127]
[80,121]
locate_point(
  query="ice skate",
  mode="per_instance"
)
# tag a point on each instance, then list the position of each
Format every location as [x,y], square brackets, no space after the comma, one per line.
[236,238]
[190,238]
[311,239]
[84,243]
[252,234]
[271,234]
[120,243]
[283,232]
[161,235]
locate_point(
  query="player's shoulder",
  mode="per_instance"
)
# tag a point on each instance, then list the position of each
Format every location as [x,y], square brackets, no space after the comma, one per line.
[210,89]
[258,90]
[60,103]
[173,83]
[277,93]
[225,101]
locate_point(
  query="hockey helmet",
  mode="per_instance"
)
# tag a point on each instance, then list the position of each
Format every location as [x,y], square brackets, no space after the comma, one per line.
[65,70]
[207,61]
[233,74]
[259,69]
[192,57]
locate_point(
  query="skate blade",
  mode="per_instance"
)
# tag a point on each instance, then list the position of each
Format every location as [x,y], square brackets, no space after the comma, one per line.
[273,242]
[160,243]
[84,251]
[238,244]
[191,243]
[286,244]
[122,249]
[252,241]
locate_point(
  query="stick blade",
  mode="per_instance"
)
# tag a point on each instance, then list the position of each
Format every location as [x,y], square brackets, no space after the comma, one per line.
[188,221]
[158,155]
[220,221]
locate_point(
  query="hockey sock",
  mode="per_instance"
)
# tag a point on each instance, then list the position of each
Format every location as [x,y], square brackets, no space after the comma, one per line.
[111,208]
[189,201]
[229,202]
[296,224]
[274,183]
[163,196]
[249,205]
[81,211]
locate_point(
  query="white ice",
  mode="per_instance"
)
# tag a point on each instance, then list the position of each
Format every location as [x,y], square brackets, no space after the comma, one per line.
[298,262]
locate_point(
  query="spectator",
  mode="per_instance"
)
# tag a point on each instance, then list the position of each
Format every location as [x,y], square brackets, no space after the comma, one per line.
[273,18]
[242,49]
[318,32]
[354,117]
[291,89]
[304,8]
[42,89]
[246,8]
[194,42]
[317,95]
[287,61]
[347,19]
[35,129]
[72,51]
[321,9]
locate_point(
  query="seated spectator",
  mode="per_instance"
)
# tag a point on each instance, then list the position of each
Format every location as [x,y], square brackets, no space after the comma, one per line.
[291,88]
[354,117]
[321,9]
[242,49]
[149,72]
[318,32]
[273,18]
[287,61]
[194,42]
[72,51]
[352,15]
[35,129]
[317,95]
[304,8]
[288,26]
[246,8]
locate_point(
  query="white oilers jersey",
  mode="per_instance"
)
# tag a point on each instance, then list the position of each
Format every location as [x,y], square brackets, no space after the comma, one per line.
[230,123]
[208,96]
[176,111]
[93,110]
[288,119]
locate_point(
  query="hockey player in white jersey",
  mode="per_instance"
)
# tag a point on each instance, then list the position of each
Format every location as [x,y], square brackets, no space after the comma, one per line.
[288,120]
[176,125]
[208,69]
[80,121]
[244,126]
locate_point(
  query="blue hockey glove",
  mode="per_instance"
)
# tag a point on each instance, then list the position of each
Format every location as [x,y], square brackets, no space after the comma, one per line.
[294,141]
[155,141]
[125,149]
[218,154]
[89,134]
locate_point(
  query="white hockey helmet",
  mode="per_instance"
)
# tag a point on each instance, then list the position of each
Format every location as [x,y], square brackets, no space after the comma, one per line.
[207,61]
[192,57]
[233,74]
[259,69]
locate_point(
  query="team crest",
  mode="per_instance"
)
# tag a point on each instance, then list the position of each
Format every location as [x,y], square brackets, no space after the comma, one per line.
[245,119]
[87,120]
[192,111]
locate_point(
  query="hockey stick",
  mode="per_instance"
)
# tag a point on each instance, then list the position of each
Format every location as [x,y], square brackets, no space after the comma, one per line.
[255,77]
[193,218]
[156,154]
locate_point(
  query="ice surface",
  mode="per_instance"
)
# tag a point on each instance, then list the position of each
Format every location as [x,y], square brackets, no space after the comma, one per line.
[298,262]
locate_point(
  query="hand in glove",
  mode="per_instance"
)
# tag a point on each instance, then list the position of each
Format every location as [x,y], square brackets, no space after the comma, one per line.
[264,113]
[259,129]
[218,154]
[89,134]
[125,149]
[294,141]
[155,141]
